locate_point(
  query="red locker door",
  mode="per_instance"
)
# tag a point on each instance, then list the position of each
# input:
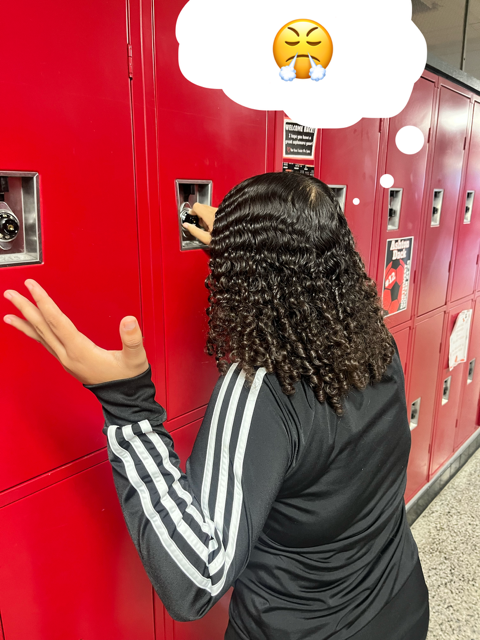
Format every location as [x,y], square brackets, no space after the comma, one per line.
[202,135]
[467,244]
[409,174]
[423,382]
[445,183]
[68,568]
[469,418]
[213,625]
[449,384]
[67,118]
[349,158]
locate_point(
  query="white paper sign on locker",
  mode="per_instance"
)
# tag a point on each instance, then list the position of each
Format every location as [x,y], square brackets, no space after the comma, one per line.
[459,339]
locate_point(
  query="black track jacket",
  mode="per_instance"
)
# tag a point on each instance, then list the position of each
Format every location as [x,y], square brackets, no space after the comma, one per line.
[301,510]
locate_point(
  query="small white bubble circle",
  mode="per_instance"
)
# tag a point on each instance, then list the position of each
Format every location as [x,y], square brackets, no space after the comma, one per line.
[387,181]
[356,201]
[410,140]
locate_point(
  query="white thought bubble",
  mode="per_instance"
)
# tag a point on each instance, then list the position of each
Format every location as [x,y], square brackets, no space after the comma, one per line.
[410,140]
[378,55]
[387,181]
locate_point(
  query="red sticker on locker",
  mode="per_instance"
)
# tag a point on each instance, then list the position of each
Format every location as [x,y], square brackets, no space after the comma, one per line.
[396,278]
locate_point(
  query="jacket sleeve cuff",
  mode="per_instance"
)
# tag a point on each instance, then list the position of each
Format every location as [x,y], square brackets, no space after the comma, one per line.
[129,400]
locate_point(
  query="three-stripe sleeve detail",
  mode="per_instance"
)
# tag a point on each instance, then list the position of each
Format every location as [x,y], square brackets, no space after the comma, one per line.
[164,476]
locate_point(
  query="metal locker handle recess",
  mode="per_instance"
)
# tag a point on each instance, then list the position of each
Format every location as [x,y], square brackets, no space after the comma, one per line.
[471,370]
[188,192]
[468,207]
[446,389]
[414,413]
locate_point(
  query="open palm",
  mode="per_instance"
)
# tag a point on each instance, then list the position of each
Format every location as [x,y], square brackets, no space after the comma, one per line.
[88,363]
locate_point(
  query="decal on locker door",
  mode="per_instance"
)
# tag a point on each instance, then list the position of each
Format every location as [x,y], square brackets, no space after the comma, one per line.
[308,170]
[396,277]
[298,141]
[459,339]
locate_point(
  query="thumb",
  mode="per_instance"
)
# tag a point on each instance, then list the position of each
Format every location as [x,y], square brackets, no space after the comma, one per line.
[201,235]
[132,338]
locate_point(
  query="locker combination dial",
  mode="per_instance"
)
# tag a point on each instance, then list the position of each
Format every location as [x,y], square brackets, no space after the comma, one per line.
[190,218]
[9,225]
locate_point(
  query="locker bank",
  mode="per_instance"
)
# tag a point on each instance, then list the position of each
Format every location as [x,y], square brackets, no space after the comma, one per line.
[104,146]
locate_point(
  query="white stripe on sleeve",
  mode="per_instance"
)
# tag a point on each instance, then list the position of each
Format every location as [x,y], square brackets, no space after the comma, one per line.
[225,492]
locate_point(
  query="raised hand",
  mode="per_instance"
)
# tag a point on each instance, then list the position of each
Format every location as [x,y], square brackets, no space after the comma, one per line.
[79,356]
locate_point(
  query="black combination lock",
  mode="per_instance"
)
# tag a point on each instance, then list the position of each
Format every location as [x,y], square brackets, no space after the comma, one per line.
[9,226]
[190,218]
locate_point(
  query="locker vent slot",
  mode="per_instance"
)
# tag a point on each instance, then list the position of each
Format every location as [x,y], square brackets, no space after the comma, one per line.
[340,193]
[437,207]
[446,389]
[414,413]
[394,207]
[468,207]
[471,369]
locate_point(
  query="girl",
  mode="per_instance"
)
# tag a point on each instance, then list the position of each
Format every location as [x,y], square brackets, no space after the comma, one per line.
[294,492]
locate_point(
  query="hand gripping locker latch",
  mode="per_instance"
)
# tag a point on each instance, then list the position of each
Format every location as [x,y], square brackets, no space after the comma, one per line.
[188,192]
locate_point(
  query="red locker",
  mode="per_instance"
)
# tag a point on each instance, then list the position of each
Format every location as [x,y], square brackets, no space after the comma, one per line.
[423,382]
[409,174]
[68,568]
[349,158]
[111,242]
[441,200]
[469,418]
[68,118]
[447,399]
[202,135]
[464,268]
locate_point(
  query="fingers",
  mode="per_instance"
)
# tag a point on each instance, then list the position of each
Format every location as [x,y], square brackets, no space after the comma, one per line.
[205,213]
[61,326]
[203,236]
[37,321]
[26,328]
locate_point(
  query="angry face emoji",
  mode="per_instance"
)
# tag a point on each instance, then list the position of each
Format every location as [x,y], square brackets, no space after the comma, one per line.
[304,39]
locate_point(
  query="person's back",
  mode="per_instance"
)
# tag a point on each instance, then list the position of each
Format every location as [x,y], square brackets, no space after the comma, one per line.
[294,492]
[336,546]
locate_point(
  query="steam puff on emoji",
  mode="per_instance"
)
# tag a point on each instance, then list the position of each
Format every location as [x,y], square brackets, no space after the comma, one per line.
[302,49]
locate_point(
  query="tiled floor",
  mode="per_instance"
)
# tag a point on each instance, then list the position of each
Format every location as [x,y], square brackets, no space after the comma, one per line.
[448,538]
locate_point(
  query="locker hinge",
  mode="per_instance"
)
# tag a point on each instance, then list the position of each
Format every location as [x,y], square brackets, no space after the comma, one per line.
[440,348]
[130,61]
[449,265]
[414,276]
[464,143]
[380,127]
[429,134]
[478,256]
[429,447]
[456,424]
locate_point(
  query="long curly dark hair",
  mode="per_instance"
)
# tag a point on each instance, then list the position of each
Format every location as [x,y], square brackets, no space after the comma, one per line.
[289,292]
